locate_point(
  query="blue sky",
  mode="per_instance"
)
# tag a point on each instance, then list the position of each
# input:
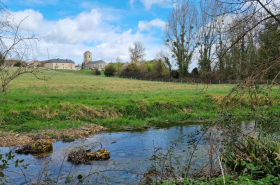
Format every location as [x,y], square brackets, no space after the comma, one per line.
[106,28]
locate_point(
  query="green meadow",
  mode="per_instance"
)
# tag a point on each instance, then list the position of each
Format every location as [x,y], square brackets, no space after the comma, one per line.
[72,98]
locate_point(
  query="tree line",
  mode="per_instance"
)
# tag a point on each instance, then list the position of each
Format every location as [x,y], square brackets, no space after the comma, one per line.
[229,40]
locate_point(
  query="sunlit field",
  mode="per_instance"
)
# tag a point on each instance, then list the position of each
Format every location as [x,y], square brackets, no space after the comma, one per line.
[73,98]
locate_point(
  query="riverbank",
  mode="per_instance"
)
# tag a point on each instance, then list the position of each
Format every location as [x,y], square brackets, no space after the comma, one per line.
[9,139]
[66,135]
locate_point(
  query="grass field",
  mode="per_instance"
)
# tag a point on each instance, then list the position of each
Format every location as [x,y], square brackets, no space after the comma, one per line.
[72,98]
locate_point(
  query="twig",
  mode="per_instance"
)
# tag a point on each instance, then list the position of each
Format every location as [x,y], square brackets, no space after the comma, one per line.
[222,170]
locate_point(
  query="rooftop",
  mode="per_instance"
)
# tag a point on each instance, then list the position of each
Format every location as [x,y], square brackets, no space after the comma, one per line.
[95,62]
[33,63]
[60,61]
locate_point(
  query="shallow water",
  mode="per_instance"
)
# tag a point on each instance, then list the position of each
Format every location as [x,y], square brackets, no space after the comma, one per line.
[130,156]
[130,151]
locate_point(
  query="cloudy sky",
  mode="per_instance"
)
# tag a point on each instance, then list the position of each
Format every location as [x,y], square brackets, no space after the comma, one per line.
[104,27]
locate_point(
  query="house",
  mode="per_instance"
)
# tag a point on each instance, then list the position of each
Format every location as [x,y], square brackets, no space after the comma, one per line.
[78,68]
[60,64]
[89,64]
[34,64]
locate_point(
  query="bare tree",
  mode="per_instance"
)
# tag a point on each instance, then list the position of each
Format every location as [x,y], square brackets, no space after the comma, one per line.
[207,36]
[137,52]
[248,10]
[237,25]
[179,34]
[15,42]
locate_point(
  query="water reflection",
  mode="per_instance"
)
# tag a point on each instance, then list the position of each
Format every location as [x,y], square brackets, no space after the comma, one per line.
[130,151]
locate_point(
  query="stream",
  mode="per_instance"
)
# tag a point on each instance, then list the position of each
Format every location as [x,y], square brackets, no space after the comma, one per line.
[130,151]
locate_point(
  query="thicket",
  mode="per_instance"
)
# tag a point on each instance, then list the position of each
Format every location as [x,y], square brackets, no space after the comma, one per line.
[18,64]
[150,69]
[96,72]
[109,70]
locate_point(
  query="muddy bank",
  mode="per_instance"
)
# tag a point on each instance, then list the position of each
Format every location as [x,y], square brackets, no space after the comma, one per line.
[67,135]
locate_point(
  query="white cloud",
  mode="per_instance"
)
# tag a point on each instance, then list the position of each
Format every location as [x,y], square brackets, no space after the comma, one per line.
[88,31]
[148,3]
[29,19]
[146,26]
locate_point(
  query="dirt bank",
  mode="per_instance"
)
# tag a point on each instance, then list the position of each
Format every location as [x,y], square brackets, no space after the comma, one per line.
[14,139]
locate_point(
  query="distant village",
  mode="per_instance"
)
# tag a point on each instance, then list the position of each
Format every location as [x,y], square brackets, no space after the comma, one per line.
[58,63]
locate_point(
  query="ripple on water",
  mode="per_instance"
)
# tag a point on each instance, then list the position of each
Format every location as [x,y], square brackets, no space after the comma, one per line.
[130,151]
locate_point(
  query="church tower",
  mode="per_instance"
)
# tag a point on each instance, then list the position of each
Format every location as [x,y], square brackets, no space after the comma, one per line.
[87,57]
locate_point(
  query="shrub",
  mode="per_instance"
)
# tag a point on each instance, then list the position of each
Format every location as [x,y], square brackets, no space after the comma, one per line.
[132,67]
[109,70]
[18,64]
[96,72]
[159,67]
[142,67]
[195,71]
[257,156]
[174,74]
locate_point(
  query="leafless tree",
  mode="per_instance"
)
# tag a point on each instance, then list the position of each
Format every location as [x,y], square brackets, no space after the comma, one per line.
[179,33]
[15,42]
[248,10]
[136,52]
[207,36]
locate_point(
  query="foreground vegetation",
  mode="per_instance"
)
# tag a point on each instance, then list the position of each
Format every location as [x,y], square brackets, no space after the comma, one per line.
[70,99]
[250,160]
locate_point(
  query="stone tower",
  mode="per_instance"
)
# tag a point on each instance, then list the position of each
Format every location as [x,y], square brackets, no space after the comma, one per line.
[87,57]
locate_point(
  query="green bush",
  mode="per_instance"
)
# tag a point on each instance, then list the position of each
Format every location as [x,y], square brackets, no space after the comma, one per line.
[174,74]
[131,67]
[18,64]
[256,156]
[109,70]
